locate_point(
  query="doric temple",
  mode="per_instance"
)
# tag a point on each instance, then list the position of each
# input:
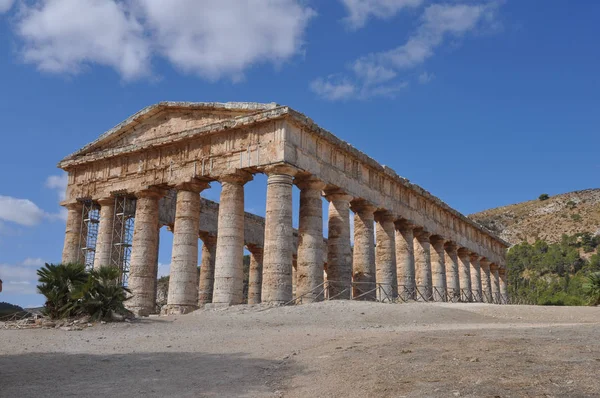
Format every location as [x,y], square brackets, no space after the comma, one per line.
[150,170]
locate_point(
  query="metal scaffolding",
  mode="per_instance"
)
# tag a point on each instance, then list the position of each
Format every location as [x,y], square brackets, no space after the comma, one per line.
[90,217]
[122,235]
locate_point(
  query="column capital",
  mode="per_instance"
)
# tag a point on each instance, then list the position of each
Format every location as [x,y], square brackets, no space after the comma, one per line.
[484,261]
[194,185]
[207,238]
[404,225]
[437,239]
[421,234]
[239,177]
[451,246]
[151,192]
[362,206]
[72,205]
[464,252]
[384,216]
[105,201]
[281,169]
[308,182]
[337,194]
[494,267]
[475,257]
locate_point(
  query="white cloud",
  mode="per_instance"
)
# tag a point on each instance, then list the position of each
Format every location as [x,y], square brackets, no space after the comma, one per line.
[211,38]
[425,77]
[333,90]
[59,183]
[5,5]
[359,11]
[377,74]
[18,279]
[20,211]
[33,262]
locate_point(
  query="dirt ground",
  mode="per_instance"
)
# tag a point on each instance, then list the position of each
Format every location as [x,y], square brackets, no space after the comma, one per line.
[330,349]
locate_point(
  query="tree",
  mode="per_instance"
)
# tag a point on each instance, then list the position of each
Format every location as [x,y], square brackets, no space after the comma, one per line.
[591,287]
[544,196]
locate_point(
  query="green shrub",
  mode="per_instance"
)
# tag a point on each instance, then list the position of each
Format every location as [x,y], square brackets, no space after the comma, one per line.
[591,287]
[544,196]
[72,291]
[576,217]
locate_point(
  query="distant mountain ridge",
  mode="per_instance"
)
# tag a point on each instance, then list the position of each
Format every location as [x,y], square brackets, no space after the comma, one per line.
[568,213]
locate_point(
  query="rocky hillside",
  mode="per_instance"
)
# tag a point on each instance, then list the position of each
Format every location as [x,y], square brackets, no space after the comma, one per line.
[569,213]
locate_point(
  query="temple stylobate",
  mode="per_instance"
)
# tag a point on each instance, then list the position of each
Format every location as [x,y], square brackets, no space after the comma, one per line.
[150,171]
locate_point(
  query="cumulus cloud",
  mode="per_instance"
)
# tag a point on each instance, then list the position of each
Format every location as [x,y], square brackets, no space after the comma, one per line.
[20,211]
[333,90]
[5,5]
[377,74]
[425,77]
[212,38]
[18,278]
[359,11]
[59,183]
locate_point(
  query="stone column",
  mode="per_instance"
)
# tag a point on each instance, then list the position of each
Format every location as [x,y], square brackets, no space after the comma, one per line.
[255,275]
[405,259]
[422,264]
[476,278]
[278,252]
[207,269]
[363,255]
[464,274]
[144,253]
[183,277]
[310,241]
[294,276]
[72,247]
[438,268]
[385,256]
[486,281]
[229,267]
[495,283]
[104,242]
[452,273]
[339,253]
[503,285]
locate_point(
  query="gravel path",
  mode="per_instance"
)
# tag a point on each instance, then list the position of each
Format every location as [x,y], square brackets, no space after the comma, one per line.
[330,349]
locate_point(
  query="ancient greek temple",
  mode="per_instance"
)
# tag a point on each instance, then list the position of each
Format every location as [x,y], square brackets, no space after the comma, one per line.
[150,171]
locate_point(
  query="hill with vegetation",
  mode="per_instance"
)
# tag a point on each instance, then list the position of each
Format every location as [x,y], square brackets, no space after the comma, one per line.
[547,218]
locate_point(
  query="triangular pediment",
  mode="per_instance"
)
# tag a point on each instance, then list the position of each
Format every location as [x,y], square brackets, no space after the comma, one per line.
[159,122]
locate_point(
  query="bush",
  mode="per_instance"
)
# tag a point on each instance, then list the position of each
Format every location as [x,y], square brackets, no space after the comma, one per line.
[591,287]
[72,291]
[576,217]
[544,196]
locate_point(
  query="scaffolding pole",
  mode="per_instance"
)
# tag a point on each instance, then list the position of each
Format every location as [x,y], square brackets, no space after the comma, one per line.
[122,235]
[90,216]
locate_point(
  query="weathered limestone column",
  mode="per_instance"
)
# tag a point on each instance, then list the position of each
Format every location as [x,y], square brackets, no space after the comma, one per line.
[405,259]
[452,274]
[385,256]
[464,273]
[363,256]
[422,264]
[183,277]
[144,253]
[476,278]
[72,247]
[495,283]
[339,253]
[294,276]
[105,233]
[229,267]
[486,281]
[438,268]
[503,285]
[278,252]
[207,269]
[310,241]
[255,275]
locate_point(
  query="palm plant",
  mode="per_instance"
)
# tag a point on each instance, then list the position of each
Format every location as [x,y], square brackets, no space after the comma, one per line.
[57,283]
[592,288]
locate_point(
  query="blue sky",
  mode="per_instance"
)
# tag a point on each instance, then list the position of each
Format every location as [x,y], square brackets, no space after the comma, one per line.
[483,103]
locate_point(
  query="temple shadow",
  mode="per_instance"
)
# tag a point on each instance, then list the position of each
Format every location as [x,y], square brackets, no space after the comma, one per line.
[155,374]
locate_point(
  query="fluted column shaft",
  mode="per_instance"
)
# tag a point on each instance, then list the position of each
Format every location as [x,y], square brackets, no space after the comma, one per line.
[255,275]
[207,270]
[144,254]
[229,267]
[464,273]
[339,253]
[423,265]
[476,278]
[363,255]
[438,268]
[183,277]
[385,257]
[452,273]
[105,233]
[486,281]
[277,256]
[495,283]
[310,241]
[72,246]
[503,285]
[405,259]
